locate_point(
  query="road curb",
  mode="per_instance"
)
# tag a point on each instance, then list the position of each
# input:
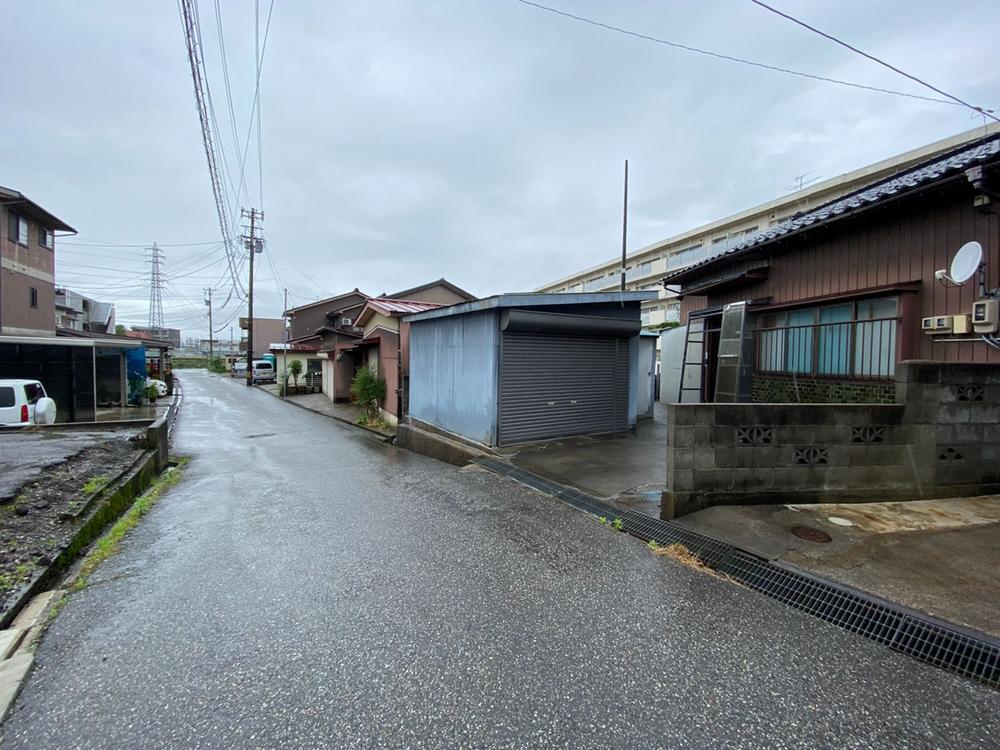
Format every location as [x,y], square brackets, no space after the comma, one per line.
[381,435]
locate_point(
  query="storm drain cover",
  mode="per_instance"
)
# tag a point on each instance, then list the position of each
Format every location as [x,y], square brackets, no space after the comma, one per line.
[811,535]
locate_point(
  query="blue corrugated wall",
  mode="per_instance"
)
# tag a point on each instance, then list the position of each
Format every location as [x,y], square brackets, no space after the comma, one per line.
[453,374]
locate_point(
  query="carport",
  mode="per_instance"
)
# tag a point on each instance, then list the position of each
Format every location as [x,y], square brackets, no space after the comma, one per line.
[516,368]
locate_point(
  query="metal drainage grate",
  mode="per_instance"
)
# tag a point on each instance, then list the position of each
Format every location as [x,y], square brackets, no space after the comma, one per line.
[942,644]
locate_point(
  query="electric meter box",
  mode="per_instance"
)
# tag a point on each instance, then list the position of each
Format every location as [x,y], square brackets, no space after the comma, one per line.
[937,324]
[985,314]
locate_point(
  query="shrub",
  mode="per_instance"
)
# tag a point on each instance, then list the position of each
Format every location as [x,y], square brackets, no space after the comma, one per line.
[368,390]
[295,369]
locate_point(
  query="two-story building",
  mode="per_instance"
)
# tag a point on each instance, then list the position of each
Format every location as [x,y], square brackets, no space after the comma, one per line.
[77,312]
[27,265]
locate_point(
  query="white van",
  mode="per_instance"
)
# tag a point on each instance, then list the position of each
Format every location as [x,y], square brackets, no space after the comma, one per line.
[263,371]
[24,403]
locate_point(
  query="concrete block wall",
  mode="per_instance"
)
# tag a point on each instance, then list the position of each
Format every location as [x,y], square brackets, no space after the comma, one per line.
[942,439]
[958,407]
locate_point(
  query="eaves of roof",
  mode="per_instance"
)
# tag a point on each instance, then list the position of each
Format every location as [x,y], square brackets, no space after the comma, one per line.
[910,181]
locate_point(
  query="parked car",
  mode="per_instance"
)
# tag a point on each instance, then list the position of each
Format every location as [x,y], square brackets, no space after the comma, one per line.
[24,402]
[263,371]
[161,387]
[239,370]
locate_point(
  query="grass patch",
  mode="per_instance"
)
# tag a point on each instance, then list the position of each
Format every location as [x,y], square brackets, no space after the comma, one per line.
[94,484]
[108,544]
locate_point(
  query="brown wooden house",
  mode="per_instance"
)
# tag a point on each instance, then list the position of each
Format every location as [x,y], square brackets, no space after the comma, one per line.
[822,307]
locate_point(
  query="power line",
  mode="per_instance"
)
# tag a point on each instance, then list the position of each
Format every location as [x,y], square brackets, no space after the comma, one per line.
[200,82]
[298,270]
[140,245]
[731,58]
[225,78]
[257,61]
[253,108]
[883,63]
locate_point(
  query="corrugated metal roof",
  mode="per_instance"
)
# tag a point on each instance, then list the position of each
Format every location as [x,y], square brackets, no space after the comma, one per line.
[389,305]
[901,183]
[534,299]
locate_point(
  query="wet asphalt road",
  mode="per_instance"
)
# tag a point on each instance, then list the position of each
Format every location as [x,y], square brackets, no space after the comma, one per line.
[308,586]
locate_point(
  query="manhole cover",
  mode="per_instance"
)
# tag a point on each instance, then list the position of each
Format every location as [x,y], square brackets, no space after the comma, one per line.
[260,435]
[811,535]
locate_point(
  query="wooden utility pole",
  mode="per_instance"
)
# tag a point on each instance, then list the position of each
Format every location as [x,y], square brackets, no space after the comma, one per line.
[624,225]
[211,331]
[254,246]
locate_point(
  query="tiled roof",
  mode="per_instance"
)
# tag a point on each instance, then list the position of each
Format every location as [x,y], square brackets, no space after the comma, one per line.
[901,183]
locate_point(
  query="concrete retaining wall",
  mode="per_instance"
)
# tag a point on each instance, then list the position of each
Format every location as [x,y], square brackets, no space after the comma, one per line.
[942,439]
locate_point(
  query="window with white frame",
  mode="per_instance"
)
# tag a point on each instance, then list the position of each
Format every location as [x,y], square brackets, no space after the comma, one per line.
[46,238]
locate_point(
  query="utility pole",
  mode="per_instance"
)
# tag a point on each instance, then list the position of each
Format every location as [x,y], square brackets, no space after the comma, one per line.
[255,246]
[624,225]
[284,318]
[211,331]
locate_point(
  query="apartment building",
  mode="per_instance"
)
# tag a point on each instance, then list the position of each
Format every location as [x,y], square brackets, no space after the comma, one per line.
[77,312]
[27,265]
[646,267]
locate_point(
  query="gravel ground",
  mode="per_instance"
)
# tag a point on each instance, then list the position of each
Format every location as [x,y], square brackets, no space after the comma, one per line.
[33,525]
[306,586]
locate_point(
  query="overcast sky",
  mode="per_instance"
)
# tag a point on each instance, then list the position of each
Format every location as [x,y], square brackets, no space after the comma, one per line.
[480,140]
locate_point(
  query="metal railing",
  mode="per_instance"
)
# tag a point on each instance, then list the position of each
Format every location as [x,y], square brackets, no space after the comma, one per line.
[855,349]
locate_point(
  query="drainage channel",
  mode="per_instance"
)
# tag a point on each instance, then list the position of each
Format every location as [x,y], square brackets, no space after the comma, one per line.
[936,642]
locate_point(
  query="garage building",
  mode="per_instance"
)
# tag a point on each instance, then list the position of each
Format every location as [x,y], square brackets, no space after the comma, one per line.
[515,368]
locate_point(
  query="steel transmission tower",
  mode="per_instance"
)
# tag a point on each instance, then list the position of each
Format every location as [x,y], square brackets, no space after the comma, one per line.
[154,257]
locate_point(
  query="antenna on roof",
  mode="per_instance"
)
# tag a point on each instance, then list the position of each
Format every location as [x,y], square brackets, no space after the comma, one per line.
[801,181]
[624,228]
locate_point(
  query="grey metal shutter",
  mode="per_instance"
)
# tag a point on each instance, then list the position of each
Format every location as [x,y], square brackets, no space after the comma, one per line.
[554,385]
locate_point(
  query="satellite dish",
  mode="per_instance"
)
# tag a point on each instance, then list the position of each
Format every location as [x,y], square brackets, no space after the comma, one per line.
[966,262]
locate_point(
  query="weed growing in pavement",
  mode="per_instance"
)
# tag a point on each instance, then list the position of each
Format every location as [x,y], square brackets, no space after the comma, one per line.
[108,544]
[682,554]
[95,483]
[653,544]
[618,524]
[604,521]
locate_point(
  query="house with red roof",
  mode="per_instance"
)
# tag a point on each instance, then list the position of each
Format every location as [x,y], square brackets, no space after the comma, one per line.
[384,342]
